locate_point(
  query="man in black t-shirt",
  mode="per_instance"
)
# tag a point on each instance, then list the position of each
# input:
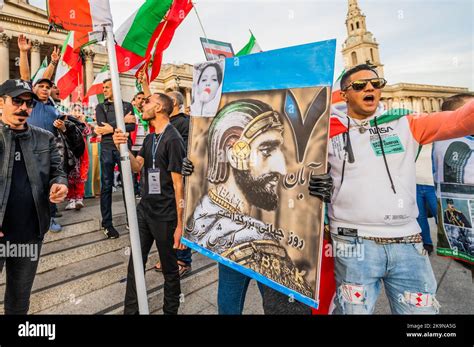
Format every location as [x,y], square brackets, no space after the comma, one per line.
[109,155]
[180,121]
[160,211]
[32,177]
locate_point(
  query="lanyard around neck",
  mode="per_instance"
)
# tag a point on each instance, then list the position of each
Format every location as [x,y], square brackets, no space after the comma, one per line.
[156,144]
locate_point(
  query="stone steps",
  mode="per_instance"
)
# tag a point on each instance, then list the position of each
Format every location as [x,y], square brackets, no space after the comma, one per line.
[82,272]
[109,298]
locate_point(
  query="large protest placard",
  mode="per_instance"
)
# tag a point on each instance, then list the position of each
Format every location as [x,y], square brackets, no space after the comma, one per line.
[454,176]
[247,202]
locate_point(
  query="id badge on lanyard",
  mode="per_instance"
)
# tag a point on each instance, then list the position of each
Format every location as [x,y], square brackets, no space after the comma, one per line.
[154,186]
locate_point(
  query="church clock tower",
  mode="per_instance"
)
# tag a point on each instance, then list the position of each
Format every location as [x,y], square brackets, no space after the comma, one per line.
[360,46]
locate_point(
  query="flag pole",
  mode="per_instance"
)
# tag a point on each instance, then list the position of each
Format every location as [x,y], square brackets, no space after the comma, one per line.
[127,178]
[202,27]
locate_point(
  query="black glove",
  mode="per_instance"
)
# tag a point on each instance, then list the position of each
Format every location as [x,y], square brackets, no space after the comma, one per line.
[321,187]
[188,167]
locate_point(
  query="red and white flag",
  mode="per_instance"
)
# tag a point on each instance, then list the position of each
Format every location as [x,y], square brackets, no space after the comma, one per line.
[137,34]
[95,94]
[69,71]
[162,37]
[80,15]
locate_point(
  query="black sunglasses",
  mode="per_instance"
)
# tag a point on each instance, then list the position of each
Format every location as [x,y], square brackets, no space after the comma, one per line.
[358,85]
[17,101]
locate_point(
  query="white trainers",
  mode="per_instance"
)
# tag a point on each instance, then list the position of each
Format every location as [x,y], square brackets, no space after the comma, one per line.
[79,204]
[71,205]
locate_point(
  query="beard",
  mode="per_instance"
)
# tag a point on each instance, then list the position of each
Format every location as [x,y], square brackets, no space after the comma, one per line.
[258,190]
[148,115]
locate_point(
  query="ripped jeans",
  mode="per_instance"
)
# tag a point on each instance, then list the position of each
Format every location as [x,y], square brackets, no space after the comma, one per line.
[362,265]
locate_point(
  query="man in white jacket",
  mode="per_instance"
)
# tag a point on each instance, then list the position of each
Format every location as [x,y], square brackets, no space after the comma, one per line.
[373,208]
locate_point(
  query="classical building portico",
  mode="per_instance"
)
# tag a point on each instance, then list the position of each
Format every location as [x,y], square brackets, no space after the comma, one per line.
[19,17]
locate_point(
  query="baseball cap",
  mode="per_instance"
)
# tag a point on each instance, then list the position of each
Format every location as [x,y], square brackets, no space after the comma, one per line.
[14,88]
[45,80]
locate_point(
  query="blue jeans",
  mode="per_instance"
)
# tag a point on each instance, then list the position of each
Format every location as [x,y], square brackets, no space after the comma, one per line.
[232,290]
[405,270]
[184,256]
[426,196]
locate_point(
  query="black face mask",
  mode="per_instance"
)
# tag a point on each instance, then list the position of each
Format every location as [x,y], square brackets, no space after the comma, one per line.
[255,189]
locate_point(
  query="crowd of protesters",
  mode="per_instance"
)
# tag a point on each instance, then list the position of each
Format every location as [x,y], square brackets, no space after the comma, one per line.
[77,148]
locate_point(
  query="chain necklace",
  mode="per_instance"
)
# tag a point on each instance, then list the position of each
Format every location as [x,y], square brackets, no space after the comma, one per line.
[361,126]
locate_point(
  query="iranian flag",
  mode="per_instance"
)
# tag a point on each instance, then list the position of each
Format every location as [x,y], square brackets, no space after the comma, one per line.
[251,47]
[134,37]
[80,15]
[82,39]
[40,73]
[69,71]
[163,36]
[95,94]
[336,90]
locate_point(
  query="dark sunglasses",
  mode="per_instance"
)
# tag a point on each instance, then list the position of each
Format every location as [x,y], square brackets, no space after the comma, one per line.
[358,85]
[17,101]
[148,100]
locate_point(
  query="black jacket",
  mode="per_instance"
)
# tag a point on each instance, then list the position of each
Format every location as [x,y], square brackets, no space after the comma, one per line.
[105,113]
[43,165]
[181,123]
[71,144]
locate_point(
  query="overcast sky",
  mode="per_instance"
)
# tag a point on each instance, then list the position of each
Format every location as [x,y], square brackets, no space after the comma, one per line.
[421,41]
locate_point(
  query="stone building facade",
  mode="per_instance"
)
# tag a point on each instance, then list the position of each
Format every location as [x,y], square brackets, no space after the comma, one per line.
[19,17]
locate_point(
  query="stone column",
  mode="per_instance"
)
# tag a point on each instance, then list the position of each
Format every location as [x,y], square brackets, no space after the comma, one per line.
[188,97]
[440,103]
[35,57]
[396,103]
[424,106]
[89,65]
[416,105]
[4,57]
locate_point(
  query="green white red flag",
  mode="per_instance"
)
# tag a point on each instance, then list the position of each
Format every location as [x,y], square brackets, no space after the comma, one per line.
[336,97]
[164,35]
[251,47]
[69,71]
[135,35]
[95,94]
[40,73]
